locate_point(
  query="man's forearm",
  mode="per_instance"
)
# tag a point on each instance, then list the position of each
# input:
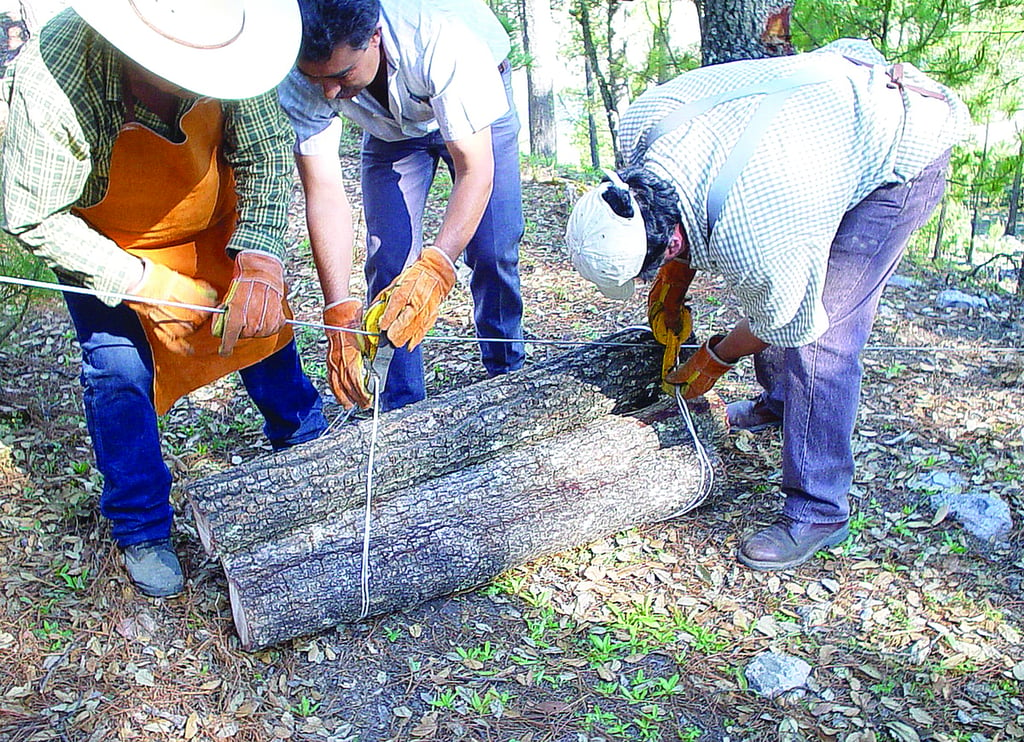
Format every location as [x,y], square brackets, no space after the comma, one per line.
[329,223]
[331,235]
[740,342]
[474,181]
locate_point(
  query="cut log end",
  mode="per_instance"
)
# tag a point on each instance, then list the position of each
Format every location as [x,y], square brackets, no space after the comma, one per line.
[205,532]
[238,614]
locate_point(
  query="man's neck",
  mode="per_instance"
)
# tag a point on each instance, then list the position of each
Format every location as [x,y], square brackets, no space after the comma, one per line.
[152,92]
[379,87]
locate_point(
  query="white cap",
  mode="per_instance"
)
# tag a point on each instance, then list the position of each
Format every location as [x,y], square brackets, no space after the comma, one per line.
[218,48]
[607,249]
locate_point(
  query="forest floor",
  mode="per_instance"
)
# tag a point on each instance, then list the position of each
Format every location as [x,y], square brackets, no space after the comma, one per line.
[912,627]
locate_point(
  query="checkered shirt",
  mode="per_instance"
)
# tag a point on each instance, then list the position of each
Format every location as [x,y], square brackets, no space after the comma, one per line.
[829,146]
[66,112]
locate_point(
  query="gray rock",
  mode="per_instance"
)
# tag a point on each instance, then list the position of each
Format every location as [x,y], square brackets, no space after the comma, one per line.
[939,481]
[902,282]
[952,298]
[772,673]
[982,514]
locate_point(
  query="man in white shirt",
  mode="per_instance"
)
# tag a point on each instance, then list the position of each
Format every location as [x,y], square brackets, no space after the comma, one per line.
[799,180]
[427,80]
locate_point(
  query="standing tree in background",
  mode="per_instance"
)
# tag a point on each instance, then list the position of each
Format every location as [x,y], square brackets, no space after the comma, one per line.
[744,29]
[604,54]
[540,47]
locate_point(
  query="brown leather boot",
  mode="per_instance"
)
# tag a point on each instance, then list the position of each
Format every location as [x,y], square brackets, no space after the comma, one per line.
[788,543]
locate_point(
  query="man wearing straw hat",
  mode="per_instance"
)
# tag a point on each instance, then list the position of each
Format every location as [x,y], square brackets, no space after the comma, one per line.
[799,180]
[147,160]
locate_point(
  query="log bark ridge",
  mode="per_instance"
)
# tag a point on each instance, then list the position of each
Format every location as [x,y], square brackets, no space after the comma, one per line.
[528,464]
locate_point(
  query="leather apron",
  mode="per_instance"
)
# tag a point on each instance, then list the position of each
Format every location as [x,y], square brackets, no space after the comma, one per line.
[175,204]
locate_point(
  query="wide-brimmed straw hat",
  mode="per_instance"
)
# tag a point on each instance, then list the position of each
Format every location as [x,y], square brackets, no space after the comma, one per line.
[607,249]
[216,48]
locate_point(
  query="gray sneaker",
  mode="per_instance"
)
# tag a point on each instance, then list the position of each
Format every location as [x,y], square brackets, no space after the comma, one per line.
[747,414]
[154,568]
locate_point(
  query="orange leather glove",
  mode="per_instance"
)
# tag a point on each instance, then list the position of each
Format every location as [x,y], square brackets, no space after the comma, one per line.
[666,302]
[345,372]
[173,324]
[254,304]
[667,313]
[416,296]
[701,370]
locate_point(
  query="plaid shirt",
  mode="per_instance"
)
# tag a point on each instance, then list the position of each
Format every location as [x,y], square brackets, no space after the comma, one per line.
[828,147]
[67,108]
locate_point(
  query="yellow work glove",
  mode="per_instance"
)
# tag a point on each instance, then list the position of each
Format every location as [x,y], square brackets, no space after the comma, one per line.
[172,324]
[701,370]
[666,303]
[345,372]
[254,304]
[667,313]
[416,297]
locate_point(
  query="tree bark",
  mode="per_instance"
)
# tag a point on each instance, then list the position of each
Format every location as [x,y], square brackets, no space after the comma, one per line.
[461,530]
[500,473]
[540,46]
[1012,214]
[423,441]
[610,81]
[744,29]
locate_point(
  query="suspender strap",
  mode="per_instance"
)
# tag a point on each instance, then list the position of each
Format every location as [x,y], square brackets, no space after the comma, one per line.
[775,91]
[687,111]
[895,74]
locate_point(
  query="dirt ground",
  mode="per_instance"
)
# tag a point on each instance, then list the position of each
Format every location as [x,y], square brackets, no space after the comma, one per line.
[912,628]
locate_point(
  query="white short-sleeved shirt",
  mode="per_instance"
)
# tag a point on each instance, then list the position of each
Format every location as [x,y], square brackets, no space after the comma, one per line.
[442,57]
[828,147]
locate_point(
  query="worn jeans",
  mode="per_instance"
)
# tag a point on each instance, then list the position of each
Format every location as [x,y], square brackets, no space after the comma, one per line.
[816,388]
[396,178]
[117,378]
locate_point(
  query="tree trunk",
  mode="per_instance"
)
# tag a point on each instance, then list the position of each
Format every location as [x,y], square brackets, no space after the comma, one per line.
[423,441]
[540,46]
[1012,214]
[610,82]
[939,232]
[466,485]
[744,29]
[595,151]
[976,199]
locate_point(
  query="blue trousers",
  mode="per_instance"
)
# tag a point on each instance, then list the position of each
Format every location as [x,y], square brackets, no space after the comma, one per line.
[396,178]
[816,387]
[117,378]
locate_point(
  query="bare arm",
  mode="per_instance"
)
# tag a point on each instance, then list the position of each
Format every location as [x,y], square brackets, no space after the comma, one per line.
[740,341]
[329,221]
[474,180]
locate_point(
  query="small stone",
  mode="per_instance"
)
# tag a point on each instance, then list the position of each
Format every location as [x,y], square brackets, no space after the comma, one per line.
[954,299]
[983,514]
[772,673]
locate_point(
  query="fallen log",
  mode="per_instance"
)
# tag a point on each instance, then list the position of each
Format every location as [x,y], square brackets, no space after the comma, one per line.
[262,499]
[556,456]
[464,528]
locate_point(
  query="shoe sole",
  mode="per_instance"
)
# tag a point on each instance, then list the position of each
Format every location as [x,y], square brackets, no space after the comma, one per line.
[757,428]
[829,541]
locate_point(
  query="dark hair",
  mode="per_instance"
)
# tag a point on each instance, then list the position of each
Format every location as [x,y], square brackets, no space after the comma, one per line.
[659,207]
[328,24]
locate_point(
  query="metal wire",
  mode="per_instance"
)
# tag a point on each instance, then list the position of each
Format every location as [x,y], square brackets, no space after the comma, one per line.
[364,576]
[460,339]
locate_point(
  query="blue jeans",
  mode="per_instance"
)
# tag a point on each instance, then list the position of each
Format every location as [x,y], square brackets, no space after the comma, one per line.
[117,378]
[396,178]
[816,388]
